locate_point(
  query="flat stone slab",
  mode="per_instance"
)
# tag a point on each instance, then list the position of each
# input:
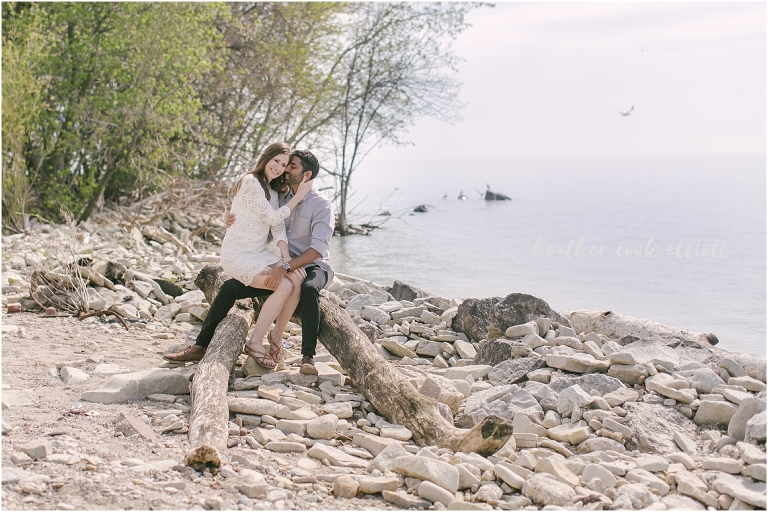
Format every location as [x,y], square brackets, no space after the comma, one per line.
[436,471]
[14,398]
[336,457]
[137,385]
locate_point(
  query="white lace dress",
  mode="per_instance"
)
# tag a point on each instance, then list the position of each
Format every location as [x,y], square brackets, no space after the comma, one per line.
[244,250]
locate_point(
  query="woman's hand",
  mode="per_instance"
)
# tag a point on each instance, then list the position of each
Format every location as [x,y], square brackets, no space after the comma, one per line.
[297,276]
[229,219]
[304,188]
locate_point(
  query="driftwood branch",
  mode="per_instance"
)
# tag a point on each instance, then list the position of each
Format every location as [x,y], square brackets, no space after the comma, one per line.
[208,429]
[381,383]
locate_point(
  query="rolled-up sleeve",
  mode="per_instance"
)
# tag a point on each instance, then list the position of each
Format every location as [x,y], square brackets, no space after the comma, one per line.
[322,231]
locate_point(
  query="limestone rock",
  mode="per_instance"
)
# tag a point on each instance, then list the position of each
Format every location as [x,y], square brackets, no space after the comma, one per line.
[442,390]
[512,371]
[323,427]
[345,487]
[602,384]
[714,413]
[335,456]
[378,484]
[383,459]
[137,385]
[655,426]
[436,471]
[739,489]
[572,397]
[754,431]
[73,376]
[435,493]
[404,500]
[748,408]
[702,380]
[545,490]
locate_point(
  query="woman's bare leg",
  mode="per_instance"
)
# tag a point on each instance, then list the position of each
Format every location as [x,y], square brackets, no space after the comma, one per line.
[288,308]
[269,311]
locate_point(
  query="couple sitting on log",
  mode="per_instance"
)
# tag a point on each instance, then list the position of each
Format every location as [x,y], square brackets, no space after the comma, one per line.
[275,198]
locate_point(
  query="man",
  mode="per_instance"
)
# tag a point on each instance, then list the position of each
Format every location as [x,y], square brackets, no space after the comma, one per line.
[309,229]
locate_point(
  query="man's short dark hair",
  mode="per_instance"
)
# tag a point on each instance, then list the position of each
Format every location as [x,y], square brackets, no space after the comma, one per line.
[308,161]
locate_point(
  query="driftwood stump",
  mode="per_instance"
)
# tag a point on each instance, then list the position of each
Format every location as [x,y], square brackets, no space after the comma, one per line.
[379,381]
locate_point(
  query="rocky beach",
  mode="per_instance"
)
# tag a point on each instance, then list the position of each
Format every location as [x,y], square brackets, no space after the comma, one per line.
[607,411]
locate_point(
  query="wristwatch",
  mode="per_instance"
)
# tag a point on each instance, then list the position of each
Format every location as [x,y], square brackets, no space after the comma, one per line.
[287,267]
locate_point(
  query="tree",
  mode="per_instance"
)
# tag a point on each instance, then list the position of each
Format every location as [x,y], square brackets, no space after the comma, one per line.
[120,96]
[25,50]
[397,66]
[275,85]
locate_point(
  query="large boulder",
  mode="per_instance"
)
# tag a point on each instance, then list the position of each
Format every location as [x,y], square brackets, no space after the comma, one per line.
[494,352]
[490,317]
[654,427]
[404,291]
[748,408]
[513,371]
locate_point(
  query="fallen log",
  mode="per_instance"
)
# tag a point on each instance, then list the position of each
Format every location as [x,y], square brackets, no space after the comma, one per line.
[380,382]
[209,418]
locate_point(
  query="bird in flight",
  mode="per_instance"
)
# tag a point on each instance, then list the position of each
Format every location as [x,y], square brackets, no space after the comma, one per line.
[625,114]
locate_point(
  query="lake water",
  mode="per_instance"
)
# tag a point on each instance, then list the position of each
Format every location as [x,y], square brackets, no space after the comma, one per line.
[677,241]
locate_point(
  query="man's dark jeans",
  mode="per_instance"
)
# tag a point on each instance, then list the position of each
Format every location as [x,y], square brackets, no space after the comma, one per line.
[309,305]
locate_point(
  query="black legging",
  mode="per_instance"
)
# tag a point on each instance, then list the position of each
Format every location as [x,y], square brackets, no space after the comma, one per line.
[309,305]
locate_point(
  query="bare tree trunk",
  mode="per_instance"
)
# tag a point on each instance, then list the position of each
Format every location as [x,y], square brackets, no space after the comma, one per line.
[381,383]
[209,418]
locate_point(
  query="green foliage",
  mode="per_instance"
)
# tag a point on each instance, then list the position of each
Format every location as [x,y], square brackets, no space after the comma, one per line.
[108,100]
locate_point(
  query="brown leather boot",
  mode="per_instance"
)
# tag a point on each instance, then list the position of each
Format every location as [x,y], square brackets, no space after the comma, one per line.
[307,366]
[192,353]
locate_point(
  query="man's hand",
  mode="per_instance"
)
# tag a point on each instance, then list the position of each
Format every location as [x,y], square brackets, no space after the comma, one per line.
[229,219]
[274,277]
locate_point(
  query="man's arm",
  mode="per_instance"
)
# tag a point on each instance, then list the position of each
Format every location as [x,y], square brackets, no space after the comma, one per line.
[305,258]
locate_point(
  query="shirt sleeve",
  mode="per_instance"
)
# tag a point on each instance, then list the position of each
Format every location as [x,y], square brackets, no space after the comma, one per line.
[322,231]
[255,200]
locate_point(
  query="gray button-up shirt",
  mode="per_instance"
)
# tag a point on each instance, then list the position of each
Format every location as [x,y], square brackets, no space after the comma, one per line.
[310,225]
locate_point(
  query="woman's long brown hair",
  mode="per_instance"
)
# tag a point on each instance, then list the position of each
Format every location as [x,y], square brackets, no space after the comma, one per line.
[278,185]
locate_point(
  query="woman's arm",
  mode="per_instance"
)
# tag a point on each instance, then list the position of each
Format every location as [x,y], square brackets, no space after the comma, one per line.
[255,200]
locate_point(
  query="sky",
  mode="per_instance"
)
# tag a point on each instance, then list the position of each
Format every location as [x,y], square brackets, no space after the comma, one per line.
[547,81]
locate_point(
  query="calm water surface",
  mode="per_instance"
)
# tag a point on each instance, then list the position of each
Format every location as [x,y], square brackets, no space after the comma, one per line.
[683,240]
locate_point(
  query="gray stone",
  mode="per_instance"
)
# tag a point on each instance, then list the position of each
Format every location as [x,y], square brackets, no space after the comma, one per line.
[489,492]
[405,291]
[502,401]
[601,444]
[648,479]
[701,379]
[602,384]
[578,362]
[756,471]
[73,376]
[714,413]
[250,483]
[630,374]
[522,330]
[383,459]
[513,371]
[754,431]
[620,396]
[336,457]
[462,372]
[748,408]
[405,500]
[375,314]
[544,490]
[342,410]
[685,443]
[733,368]
[494,352]
[739,489]
[747,383]
[442,390]
[633,497]
[12,475]
[373,444]
[572,397]
[508,476]
[654,427]
[489,318]
[397,349]
[35,449]
[680,502]
[724,464]
[18,398]
[597,471]
[137,385]
[167,312]
[378,484]
[323,427]
[435,493]
[435,471]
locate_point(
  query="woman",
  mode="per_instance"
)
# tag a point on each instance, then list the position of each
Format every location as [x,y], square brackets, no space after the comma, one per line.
[244,253]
